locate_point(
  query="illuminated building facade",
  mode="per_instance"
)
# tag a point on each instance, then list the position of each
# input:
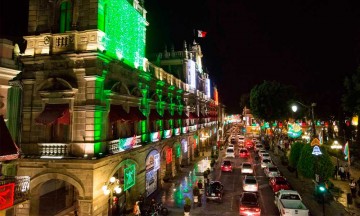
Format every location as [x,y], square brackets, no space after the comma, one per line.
[93,107]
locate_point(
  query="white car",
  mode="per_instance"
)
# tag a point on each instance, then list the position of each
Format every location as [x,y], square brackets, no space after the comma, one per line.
[266,163]
[250,183]
[230,146]
[262,151]
[230,153]
[272,171]
[259,147]
[265,156]
[247,167]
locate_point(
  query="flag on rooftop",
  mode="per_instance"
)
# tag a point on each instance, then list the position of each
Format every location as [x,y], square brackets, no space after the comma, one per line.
[201,34]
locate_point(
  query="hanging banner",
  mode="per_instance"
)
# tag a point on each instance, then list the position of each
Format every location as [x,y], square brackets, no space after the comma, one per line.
[129,177]
[7,195]
[184,145]
[152,165]
[168,155]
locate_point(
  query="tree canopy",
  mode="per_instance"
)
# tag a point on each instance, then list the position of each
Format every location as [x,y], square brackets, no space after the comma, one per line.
[295,153]
[270,101]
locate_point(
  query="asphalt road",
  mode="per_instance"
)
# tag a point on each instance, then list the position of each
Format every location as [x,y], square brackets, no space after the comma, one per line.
[232,182]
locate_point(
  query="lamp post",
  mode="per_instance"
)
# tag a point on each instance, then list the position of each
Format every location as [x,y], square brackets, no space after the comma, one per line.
[311,108]
[110,188]
[336,146]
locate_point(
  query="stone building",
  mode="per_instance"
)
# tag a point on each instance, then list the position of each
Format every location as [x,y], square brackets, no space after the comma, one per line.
[97,115]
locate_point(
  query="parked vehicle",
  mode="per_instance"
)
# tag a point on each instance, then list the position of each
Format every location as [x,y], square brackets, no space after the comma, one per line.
[230,153]
[215,191]
[249,204]
[272,171]
[279,183]
[244,153]
[289,203]
[266,163]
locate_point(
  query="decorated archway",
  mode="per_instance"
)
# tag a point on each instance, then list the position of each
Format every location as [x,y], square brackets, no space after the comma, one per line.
[152,162]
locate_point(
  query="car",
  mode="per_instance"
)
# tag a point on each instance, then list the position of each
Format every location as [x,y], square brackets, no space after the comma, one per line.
[226,166]
[247,167]
[265,163]
[244,153]
[230,152]
[250,183]
[265,156]
[258,147]
[255,140]
[262,151]
[279,183]
[272,171]
[249,204]
[249,143]
[215,191]
[231,146]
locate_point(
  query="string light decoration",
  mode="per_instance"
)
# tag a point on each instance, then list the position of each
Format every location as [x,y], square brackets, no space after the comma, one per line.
[125,33]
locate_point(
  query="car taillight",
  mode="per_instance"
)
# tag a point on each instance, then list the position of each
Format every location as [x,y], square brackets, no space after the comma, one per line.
[257,209]
[222,166]
[242,208]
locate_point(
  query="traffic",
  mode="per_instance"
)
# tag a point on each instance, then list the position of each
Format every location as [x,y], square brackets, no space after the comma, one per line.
[247,182]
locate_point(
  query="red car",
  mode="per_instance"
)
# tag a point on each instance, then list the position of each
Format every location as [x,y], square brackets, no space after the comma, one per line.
[244,153]
[249,143]
[226,166]
[279,183]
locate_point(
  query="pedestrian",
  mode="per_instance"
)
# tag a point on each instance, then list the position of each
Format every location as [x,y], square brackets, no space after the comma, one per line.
[342,172]
[352,185]
[136,210]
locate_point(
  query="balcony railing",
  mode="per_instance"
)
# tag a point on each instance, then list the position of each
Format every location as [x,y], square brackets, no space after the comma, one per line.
[54,150]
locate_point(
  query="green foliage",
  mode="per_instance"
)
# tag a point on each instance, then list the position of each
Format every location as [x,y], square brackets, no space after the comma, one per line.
[187,201]
[309,164]
[295,153]
[270,101]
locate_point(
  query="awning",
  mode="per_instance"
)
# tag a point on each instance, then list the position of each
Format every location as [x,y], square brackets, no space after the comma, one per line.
[8,148]
[154,115]
[167,115]
[136,115]
[54,113]
[117,113]
[193,115]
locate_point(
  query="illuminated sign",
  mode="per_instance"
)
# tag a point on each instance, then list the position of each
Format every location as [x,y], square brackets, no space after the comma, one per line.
[167,133]
[191,75]
[207,87]
[177,151]
[294,130]
[184,145]
[155,136]
[168,155]
[7,195]
[184,130]
[177,131]
[316,151]
[152,165]
[129,177]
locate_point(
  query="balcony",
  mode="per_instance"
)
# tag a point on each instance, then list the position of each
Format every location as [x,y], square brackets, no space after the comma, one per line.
[54,150]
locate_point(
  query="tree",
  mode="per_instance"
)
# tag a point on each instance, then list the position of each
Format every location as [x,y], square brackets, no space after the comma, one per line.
[309,164]
[351,98]
[270,101]
[295,153]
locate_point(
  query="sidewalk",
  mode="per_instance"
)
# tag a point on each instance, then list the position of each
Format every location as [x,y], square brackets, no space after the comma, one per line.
[306,188]
[344,186]
[173,193]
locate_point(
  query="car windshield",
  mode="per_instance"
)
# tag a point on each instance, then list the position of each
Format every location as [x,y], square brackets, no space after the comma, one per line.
[227,163]
[246,165]
[281,182]
[266,161]
[243,151]
[250,181]
[230,150]
[249,199]
[265,154]
[273,169]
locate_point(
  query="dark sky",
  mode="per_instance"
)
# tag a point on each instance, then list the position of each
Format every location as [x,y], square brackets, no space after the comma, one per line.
[311,44]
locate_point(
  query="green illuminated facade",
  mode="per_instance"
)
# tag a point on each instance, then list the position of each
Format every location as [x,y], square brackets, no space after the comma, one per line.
[88,92]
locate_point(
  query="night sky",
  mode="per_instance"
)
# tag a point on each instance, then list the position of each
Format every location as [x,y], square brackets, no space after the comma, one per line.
[311,44]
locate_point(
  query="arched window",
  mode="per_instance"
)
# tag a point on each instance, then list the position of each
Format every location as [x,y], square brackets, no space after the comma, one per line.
[65,16]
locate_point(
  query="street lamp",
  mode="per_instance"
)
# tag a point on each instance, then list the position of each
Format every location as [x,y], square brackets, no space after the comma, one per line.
[110,188]
[294,108]
[336,146]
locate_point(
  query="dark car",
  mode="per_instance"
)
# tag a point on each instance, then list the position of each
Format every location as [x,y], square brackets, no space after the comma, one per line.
[215,191]
[249,204]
